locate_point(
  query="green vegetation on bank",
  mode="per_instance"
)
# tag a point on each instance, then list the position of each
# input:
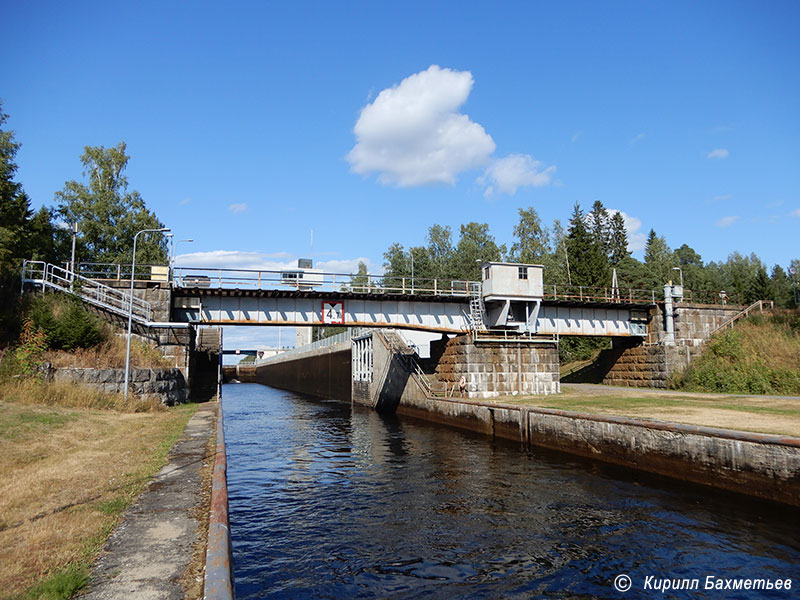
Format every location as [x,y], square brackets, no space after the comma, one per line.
[758,356]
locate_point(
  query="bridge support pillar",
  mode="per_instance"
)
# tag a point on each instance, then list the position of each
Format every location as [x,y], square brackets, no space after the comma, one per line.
[498,368]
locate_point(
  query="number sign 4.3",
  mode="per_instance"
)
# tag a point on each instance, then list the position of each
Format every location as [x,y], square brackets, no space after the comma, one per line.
[333,313]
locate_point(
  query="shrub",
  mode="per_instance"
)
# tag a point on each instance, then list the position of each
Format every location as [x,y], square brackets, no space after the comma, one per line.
[65,322]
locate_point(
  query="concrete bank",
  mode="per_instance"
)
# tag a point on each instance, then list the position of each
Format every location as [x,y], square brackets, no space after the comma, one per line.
[766,466]
[149,553]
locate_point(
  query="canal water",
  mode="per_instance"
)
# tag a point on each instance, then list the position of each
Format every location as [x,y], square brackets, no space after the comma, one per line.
[333,501]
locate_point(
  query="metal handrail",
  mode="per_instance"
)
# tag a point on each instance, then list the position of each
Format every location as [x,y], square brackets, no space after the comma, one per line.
[730,322]
[194,277]
[115,271]
[323,343]
[89,290]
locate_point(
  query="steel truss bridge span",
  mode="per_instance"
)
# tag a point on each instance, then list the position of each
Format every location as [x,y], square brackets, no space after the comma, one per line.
[435,313]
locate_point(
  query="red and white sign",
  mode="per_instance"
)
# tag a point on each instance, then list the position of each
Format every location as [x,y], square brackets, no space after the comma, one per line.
[333,313]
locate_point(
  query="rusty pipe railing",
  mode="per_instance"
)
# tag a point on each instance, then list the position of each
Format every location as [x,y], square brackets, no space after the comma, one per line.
[219,561]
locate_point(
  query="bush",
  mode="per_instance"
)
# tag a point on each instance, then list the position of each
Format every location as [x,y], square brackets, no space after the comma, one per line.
[65,322]
[760,356]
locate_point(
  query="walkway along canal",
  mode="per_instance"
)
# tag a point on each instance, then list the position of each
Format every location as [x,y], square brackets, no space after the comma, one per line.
[333,500]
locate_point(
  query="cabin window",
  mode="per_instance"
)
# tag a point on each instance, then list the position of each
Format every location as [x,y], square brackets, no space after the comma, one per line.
[486,272]
[522,272]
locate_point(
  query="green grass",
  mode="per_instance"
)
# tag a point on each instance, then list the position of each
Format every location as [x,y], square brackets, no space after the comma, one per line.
[28,422]
[62,584]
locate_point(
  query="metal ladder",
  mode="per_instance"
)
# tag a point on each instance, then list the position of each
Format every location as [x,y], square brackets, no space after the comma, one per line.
[477,310]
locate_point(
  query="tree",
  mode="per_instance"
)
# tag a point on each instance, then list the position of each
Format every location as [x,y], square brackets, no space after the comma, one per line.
[759,287]
[476,245]
[15,209]
[108,215]
[658,258]
[360,281]
[440,252]
[618,240]
[600,226]
[780,287]
[587,261]
[532,240]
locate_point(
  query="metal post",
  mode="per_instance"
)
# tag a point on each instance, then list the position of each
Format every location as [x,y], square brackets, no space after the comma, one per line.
[72,260]
[130,310]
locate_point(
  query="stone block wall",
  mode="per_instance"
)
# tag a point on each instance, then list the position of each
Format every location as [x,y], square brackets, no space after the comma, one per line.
[647,366]
[695,322]
[165,385]
[500,369]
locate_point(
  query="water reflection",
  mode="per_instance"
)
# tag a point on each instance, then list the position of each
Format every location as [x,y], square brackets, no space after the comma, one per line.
[329,501]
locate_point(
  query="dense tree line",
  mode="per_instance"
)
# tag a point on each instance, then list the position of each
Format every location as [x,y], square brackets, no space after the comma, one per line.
[587,253]
[106,213]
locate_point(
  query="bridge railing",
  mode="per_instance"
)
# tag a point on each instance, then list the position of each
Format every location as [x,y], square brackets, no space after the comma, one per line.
[92,291]
[191,277]
[121,272]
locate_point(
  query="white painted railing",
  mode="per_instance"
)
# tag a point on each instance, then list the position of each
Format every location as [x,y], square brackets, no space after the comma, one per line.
[89,290]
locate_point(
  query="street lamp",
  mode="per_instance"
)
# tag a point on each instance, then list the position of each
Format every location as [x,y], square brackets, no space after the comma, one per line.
[173,243]
[130,307]
[678,269]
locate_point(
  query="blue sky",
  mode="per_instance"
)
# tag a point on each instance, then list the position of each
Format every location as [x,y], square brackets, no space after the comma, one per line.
[250,124]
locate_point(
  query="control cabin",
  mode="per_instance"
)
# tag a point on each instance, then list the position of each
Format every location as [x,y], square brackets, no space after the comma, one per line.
[512,294]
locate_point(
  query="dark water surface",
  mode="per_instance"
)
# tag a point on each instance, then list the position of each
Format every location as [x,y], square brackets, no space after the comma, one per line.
[333,501]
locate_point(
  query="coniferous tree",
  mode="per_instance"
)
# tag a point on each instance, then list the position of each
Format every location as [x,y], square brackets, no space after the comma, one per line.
[588,262]
[618,240]
[759,287]
[658,258]
[600,226]
[780,287]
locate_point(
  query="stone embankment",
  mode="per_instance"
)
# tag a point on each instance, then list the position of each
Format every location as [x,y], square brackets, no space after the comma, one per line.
[165,385]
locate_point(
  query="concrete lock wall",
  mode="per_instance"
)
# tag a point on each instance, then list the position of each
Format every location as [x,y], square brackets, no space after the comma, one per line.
[758,465]
[324,372]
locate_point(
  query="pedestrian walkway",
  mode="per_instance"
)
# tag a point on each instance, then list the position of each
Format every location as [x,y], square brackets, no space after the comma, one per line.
[148,553]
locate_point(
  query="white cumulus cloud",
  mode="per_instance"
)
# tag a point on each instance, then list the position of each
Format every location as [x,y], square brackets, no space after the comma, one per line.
[727,221]
[719,153]
[507,175]
[413,133]
[633,226]
[260,261]
[237,208]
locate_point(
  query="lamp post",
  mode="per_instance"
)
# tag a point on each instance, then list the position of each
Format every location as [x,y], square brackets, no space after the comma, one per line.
[411,254]
[173,244]
[678,269]
[130,307]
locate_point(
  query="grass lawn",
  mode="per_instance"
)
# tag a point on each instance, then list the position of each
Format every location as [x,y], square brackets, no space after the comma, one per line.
[66,477]
[750,413]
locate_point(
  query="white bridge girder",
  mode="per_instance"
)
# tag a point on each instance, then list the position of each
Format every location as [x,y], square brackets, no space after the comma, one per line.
[436,316]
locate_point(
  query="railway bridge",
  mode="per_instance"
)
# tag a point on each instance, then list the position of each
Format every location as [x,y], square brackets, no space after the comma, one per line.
[509,309]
